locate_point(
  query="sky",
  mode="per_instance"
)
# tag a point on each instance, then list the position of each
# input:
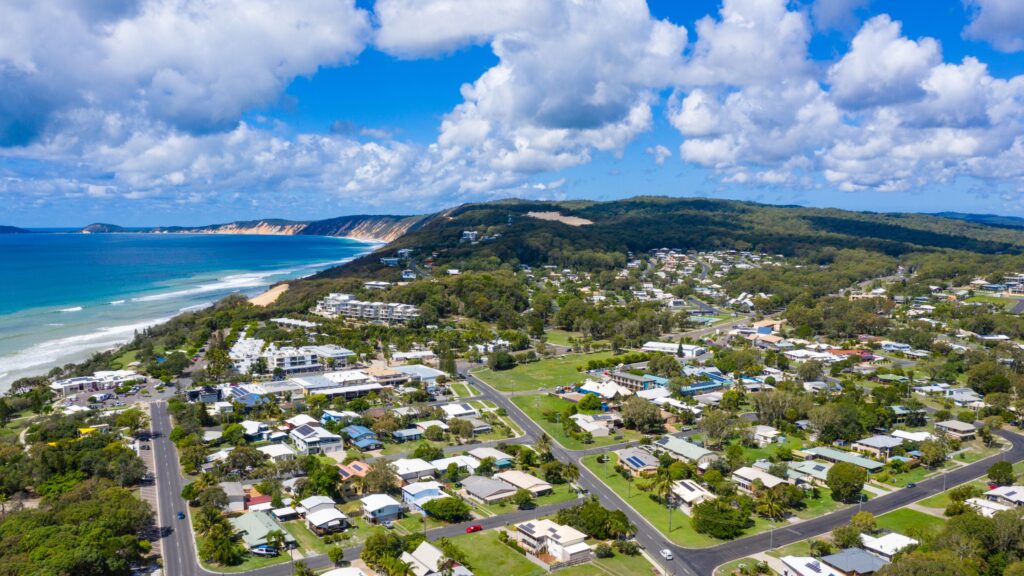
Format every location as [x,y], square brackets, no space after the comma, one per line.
[155,112]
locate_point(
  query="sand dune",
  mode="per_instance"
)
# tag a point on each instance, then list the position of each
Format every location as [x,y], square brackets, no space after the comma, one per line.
[270,296]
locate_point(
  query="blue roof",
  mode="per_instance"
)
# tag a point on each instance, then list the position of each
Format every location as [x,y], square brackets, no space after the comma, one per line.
[658,380]
[408,432]
[357,431]
[366,442]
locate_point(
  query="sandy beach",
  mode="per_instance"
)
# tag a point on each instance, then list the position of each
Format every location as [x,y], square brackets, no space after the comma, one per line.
[270,296]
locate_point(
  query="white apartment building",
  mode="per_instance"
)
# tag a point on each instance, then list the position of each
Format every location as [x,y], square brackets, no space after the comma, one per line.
[336,304]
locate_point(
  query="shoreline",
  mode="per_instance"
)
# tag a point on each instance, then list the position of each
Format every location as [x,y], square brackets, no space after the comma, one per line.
[110,323]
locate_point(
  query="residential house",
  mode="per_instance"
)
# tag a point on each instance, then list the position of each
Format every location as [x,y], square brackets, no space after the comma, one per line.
[690,493]
[526,481]
[254,527]
[407,435]
[315,440]
[832,455]
[479,426]
[855,562]
[638,462]
[887,545]
[747,477]
[462,462]
[681,350]
[429,560]
[487,490]
[417,494]
[425,375]
[300,420]
[564,543]
[338,416]
[1008,495]
[459,410]
[606,390]
[501,459]
[765,435]
[315,504]
[956,429]
[808,566]
[255,431]
[362,438]
[912,436]
[987,508]
[410,469]
[278,452]
[354,469]
[379,508]
[683,450]
[422,426]
[326,521]
[879,446]
[236,496]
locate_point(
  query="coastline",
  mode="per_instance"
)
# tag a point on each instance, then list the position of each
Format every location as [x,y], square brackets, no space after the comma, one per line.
[40,338]
[270,296]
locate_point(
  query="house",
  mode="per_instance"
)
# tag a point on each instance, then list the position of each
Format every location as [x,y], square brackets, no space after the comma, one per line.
[638,462]
[604,389]
[387,376]
[310,439]
[254,527]
[765,435]
[461,461]
[632,382]
[479,426]
[278,452]
[379,508]
[526,481]
[912,436]
[409,469]
[690,493]
[316,503]
[487,490]
[832,455]
[286,512]
[407,435]
[681,350]
[429,560]
[961,396]
[419,493]
[808,566]
[459,410]
[422,426]
[887,545]
[810,472]
[354,469]
[425,375]
[746,477]
[879,446]
[911,416]
[326,521]
[987,508]
[336,416]
[501,459]
[564,543]
[346,571]
[595,425]
[236,496]
[682,450]
[956,429]
[1008,495]
[254,431]
[889,346]
[855,562]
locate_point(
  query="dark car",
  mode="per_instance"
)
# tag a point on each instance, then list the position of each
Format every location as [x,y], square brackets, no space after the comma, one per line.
[181,515]
[911,484]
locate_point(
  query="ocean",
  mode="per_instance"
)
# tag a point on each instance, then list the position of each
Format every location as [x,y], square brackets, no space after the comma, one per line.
[64,296]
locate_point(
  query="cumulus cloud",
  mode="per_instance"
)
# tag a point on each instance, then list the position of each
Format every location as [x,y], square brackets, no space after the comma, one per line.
[998,22]
[659,153]
[197,65]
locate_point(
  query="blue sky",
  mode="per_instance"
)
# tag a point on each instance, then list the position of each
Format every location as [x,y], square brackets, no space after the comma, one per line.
[147,113]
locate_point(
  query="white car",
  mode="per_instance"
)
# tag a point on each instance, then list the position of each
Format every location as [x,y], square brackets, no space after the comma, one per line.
[666,554]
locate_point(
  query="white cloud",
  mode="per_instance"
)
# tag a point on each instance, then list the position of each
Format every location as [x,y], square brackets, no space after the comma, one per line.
[197,65]
[998,22]
[659,153]
[882,66]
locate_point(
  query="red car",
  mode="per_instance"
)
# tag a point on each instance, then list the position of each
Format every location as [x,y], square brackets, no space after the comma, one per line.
[474,528]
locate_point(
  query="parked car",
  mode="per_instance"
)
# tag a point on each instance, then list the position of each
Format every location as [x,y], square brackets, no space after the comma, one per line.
[666,554]
[389,524]
[474,528]
[265,551]
[181,515]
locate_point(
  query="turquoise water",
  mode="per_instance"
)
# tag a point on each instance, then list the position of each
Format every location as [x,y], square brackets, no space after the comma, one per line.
[65,296]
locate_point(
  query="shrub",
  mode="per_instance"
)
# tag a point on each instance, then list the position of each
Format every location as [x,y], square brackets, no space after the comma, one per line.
[603,550]
[627,547]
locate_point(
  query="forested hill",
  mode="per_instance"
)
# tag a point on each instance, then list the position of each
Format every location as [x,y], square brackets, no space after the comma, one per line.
[13,230]
[597,235]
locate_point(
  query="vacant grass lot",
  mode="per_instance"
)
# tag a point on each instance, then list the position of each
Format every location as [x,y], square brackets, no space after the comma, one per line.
[910,522]
[534,405]
[541,374]
[682,532]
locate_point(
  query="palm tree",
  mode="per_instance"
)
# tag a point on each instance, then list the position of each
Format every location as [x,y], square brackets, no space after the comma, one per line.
[395,567]
[543,447]
[276,539]
[661,486]
[769,506]
[300,569]
[570,472]
[207,520]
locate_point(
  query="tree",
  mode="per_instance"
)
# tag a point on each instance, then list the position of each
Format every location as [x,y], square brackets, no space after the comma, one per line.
[865,522]
[380,479]
[213,497]
[461,428]
[718,519]
[301,569]
[664,365]
[769,505]
[639,414]
[809,371]
[933,453]
[846,536]
[336,554]
[448,509]
[846,481]
[434,433]
[1001,473]
[276,538]
[523,499]
[220,546]
[716,425]
[589,402]
[427,451]
[206,519]
[233,435]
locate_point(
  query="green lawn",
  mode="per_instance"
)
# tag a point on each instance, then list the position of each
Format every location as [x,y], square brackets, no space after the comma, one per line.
[913,475]
[561,338]
[559,493]
[682,532]
[820,506]
[907,521]
[1006,303]
[464,390]
[801,548]
[542,374]
[755,453]
[308,541]
[730,568]
[941,500]
[534,406]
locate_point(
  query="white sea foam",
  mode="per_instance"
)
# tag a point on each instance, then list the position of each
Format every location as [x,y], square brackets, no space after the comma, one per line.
[116,302]
[225,284]
[54,352]
[195,307]
[55,325]
[72,309]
